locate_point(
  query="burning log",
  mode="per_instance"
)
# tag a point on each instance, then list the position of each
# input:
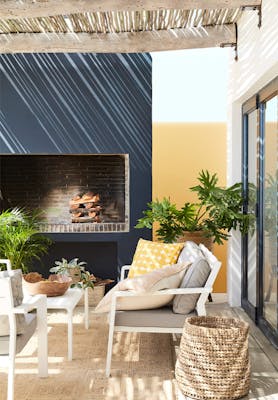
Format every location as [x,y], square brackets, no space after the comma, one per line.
[85,211]
[82,219]
[89,205]
[77,214]
[85,208]
[74,207]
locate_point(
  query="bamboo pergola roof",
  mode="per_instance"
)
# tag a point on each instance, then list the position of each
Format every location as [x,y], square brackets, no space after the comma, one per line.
[120,26]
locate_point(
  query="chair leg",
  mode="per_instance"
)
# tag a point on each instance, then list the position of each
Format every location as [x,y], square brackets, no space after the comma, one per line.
[42,339]
[11,357]
[109,350]
[10,395]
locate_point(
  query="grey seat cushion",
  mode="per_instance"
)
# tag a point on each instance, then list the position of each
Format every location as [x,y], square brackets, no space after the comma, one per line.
[160,317]
[30,323]
[195,277]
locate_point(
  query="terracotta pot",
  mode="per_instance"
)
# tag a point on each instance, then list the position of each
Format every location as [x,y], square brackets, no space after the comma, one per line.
[75,274]
[196,237]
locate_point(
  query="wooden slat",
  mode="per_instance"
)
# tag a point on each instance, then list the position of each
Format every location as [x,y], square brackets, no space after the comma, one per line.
[126,42]
[43,8]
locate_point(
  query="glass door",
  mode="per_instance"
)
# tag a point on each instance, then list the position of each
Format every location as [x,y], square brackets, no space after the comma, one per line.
[260,184]
[270,207]
[250,172]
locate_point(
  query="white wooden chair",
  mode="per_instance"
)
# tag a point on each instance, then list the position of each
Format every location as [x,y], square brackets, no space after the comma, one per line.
[161,320]
[13,344]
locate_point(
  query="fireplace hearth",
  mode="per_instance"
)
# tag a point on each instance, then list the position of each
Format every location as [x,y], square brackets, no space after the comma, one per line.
[74,193]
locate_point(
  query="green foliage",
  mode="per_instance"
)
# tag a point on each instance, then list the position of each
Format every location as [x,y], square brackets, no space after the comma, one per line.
[218,211]
[20,239]
[270,204]
[64,267]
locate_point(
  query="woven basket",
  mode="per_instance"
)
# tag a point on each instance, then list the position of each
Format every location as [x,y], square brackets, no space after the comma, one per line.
[213,361]
[95,295]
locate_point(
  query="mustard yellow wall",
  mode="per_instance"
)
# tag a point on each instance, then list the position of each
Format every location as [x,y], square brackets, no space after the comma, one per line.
[180,152]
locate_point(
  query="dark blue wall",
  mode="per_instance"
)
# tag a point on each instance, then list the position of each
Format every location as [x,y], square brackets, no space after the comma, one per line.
[83,103]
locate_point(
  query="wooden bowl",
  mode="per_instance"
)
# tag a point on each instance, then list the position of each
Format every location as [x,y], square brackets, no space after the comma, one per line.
[55,285]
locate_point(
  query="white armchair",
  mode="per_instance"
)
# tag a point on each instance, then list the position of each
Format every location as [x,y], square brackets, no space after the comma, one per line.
[160,320]
[12,344]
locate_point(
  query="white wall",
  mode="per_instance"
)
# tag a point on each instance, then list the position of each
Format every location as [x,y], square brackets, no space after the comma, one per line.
[257,65]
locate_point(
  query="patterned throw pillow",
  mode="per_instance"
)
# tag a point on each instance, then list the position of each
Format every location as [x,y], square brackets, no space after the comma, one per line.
[153,255]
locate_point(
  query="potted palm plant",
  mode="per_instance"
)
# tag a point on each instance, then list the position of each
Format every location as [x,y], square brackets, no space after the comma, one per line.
[217,212]
[20,238]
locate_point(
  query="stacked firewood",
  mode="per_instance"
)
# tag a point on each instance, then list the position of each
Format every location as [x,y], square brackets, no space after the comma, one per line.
[86,208]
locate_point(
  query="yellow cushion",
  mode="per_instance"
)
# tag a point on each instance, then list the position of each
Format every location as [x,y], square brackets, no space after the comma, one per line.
[153,255]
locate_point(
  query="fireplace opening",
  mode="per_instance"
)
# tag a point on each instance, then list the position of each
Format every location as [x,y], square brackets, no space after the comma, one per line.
[74,193]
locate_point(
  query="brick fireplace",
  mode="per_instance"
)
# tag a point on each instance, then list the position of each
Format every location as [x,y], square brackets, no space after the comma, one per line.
[66,119]
[73,193]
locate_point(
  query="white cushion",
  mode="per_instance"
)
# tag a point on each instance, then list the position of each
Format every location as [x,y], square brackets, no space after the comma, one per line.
[168,277]
[211,259]
[16,283]
[190,253]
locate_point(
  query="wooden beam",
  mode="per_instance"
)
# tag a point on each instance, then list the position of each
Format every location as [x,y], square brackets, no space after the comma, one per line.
[127,42]
[44,8]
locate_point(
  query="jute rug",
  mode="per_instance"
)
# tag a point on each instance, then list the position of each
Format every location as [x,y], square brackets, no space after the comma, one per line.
[142,365]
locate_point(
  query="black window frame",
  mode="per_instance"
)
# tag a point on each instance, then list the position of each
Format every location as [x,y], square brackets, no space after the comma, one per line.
[256,102]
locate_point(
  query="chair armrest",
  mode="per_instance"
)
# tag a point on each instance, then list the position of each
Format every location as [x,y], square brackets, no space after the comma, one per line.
[30,303]
[123,271]
[7,263]
[119,293]
[126,293]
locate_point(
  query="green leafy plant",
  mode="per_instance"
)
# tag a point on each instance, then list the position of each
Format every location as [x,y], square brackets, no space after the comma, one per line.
[218,211]
[20,238]
[76,270]
[270,203]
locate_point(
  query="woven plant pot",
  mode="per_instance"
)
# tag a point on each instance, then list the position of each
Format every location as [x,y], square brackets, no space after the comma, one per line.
[213,361]
[196,237]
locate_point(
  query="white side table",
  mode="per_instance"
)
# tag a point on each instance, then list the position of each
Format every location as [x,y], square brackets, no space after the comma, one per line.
[68,302]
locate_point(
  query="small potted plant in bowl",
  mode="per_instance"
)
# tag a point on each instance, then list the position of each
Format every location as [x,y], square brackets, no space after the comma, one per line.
[82,278]
[76,270]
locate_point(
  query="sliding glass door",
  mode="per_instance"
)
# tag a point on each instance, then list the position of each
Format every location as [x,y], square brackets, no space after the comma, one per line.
[250,174]
[270,207]
[260,184]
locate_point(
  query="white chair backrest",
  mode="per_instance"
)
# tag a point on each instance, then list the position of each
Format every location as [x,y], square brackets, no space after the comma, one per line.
[6,296]
[6,293]
[214,263]
[7,263]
